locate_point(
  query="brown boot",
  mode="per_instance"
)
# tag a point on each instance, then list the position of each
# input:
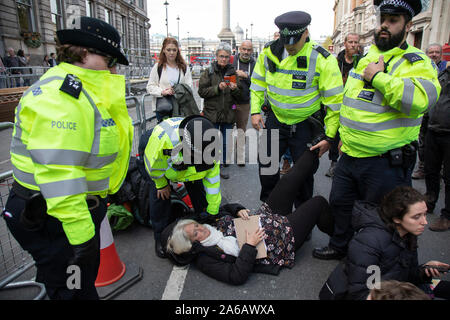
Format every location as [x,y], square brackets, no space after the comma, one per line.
[443,224]
[286,167]
[420,172]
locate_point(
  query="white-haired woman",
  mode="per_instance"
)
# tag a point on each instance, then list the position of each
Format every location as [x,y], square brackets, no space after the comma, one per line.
[215,250]
[220,95]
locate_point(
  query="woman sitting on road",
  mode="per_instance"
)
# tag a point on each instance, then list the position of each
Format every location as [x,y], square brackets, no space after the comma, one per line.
[385,245]
[215,250]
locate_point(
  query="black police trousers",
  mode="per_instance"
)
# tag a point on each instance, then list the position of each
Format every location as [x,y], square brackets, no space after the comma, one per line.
[161,214]
[52,252]
[297,142]
[360,179]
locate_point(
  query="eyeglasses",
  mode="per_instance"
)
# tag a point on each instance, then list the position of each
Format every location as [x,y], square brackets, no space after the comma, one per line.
[223,57]
[111,62]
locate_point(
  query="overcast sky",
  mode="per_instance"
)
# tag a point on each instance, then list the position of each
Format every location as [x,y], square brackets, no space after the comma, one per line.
[203,18]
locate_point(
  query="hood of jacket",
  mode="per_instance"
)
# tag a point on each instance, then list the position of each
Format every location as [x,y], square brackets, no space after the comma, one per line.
[365,214]
[341,55]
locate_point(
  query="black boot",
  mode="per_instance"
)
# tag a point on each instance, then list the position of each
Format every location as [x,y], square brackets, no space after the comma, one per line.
[223,175]
[327,253]
[159,249]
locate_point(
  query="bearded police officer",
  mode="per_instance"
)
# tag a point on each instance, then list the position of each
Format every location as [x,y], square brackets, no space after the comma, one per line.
[70,148]
[298,76]
[386,95]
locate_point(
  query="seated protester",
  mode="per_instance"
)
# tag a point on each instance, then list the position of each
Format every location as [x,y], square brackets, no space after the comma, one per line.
[215,251]
[387,238]
[396,290]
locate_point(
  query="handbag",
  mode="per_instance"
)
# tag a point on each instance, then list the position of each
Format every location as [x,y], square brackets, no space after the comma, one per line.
[164,106]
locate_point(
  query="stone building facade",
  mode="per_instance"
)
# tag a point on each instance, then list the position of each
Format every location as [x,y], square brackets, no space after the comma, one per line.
[31,25]
[432,25]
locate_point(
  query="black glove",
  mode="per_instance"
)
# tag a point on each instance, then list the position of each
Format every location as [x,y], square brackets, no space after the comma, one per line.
[85,253]
[205,217]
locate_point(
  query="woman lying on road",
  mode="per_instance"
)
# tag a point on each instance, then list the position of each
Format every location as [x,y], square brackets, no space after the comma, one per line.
[215,250]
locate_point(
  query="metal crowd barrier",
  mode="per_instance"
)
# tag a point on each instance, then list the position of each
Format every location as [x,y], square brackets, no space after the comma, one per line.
[140,117]
[14,261]
[21,76]
[26,76]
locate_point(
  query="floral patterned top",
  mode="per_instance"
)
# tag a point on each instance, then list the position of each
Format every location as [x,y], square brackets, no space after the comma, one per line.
[279,241]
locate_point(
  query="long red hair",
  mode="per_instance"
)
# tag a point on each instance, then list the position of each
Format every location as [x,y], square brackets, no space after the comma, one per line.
[179,59]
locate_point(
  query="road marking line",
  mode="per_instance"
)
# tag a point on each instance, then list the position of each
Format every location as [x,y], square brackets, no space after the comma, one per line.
[175,284]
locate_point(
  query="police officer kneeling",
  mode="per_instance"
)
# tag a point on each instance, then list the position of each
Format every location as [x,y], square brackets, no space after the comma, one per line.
[177,152]
[63,173]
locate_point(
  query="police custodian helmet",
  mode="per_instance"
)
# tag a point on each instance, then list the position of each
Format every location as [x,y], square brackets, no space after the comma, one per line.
[189,130]
[408,7]
[292,25]
[93,33]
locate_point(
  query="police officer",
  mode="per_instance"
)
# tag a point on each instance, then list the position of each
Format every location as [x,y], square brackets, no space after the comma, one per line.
[385,98]
[298,76]
[175,153]
[70,149]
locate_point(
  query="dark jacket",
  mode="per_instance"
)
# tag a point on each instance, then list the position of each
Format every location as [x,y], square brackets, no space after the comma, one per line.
[248,68]
[218,104]
[226,268]
[345,67]
[12,62]
[185,102]
[375,244]
[439,115]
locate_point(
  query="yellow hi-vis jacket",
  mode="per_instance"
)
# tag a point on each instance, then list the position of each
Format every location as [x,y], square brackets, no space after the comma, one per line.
[387,115]
[294,92]
[165,136]
[68,146]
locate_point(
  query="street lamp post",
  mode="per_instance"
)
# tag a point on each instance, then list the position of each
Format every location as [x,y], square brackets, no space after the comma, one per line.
[167,19]
[189,51]
[251,31]
[178,22]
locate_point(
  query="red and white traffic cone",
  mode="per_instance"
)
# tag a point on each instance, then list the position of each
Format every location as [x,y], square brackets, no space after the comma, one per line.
[111,268]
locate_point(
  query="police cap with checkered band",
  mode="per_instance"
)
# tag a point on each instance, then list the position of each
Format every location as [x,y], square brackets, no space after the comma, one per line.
[292,25]
[93,33]
[408,7]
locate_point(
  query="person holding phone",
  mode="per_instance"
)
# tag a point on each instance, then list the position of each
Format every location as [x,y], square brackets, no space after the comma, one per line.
[385,247]
[221,95]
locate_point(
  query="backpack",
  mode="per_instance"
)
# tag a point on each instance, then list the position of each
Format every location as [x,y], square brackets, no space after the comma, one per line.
[180,201]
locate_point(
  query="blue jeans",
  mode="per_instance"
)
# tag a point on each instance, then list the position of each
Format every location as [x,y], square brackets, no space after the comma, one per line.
[223,127]
[360,179]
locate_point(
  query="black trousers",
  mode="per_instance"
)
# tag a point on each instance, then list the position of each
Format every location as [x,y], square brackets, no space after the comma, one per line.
[360,179]
[437,153]
[161,210]
[297,143]
[52,251]
[315,211]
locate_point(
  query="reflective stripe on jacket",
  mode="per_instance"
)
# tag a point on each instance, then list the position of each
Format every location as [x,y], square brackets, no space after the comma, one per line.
[296,93]
[68,147]
[165,136]
[388,115]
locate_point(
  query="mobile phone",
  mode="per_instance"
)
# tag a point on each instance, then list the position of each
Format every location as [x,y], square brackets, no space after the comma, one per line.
[229,79]
[441,269]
